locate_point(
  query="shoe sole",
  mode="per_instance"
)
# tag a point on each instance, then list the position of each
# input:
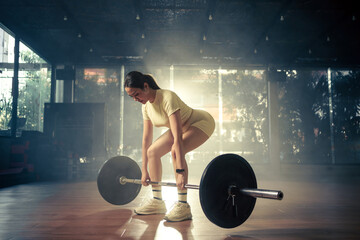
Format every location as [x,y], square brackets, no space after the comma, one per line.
[152,213]
[180,220]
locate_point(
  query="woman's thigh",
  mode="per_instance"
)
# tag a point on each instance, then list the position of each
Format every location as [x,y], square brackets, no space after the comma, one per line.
[162,145]
[193,138]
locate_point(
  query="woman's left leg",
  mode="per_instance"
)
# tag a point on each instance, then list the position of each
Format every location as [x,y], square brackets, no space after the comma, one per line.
[192,139]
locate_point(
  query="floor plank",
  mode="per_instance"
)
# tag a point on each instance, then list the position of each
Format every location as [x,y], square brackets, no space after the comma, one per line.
[75,210]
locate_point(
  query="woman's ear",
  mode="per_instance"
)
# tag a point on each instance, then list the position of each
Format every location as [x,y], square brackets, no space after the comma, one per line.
[146,86]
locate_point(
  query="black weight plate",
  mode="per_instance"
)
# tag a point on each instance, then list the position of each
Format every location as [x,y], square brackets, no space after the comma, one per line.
[224,171]
[108,180]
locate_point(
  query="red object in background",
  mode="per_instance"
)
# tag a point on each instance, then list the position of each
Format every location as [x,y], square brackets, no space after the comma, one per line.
[18,159]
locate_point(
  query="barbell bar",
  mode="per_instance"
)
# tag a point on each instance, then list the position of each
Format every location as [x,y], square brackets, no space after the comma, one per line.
[123,180]
[256,193]
[227,190]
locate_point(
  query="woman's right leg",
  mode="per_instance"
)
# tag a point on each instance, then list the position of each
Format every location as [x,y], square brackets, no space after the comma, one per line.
[158,149]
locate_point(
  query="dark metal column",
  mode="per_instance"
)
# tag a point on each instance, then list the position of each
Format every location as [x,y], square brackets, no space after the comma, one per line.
[15,87]
[53,84]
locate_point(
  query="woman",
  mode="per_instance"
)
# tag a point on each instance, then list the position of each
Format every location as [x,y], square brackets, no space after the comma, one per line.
[188,129]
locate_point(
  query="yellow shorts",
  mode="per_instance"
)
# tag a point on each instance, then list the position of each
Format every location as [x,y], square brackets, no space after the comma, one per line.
[202,120]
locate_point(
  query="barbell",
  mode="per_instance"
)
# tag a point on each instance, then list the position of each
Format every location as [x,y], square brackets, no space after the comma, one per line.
[227,190]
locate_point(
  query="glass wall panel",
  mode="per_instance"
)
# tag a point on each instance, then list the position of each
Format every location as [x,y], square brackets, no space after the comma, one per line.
[304,117]
[5,101]
[101,85]
[198,88]
[346,106]
[34,90]
[7,43]
[238,101]
[245,127]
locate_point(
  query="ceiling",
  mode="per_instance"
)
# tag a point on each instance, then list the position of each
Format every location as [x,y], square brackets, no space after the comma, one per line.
[237,32]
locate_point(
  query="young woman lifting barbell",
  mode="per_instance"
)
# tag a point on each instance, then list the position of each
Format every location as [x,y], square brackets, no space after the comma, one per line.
[188,129]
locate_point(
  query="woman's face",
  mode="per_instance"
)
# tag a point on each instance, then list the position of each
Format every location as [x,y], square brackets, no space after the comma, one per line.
[138,94]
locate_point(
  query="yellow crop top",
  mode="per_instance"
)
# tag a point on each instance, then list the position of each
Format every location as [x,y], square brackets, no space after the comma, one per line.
[166,103]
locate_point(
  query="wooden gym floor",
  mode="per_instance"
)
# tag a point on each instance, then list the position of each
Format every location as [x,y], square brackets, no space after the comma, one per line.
[328,208]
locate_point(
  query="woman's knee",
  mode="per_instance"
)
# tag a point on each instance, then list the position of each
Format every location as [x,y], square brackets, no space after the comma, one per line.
[155,153]
[151,153]
[161,146]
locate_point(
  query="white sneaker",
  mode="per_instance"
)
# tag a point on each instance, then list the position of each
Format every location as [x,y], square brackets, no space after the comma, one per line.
[152,206]
[180,212]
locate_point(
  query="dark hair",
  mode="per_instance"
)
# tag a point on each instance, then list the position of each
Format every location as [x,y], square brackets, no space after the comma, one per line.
[136,79]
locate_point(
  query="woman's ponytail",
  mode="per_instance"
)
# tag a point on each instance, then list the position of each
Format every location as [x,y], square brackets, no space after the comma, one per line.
[151,81]
[136,79]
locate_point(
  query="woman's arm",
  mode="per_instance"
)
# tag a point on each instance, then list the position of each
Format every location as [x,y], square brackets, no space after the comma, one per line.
[177,150]
[146,142]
